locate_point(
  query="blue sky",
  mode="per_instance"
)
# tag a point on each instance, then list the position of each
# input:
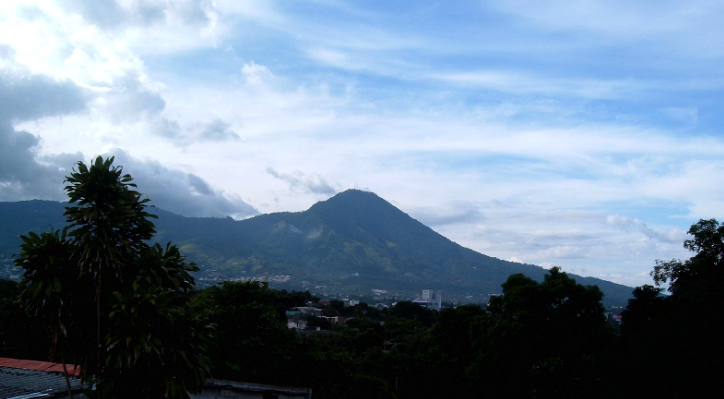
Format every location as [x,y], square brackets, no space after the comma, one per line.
[581,134]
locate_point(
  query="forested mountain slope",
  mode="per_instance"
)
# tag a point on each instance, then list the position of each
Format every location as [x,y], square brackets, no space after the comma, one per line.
[353,243]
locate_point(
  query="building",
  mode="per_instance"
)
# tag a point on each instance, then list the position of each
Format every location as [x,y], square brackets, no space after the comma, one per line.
[27,379]
[35,379]
[297,318]
[430,299]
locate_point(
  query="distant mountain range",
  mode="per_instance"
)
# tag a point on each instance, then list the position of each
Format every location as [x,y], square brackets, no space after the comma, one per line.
[353,243]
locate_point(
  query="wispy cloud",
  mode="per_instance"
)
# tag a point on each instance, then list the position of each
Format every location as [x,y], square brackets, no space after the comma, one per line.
[522,83]
[627,224]
[314,184]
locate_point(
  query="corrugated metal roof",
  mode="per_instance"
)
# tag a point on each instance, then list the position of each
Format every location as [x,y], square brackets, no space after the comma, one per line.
[25,379]
[37,366]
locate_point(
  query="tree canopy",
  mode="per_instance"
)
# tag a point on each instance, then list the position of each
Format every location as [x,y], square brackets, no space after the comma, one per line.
[540,333]
[675,337]
[115,306]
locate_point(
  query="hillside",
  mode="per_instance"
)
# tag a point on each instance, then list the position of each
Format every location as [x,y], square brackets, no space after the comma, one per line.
[353,243]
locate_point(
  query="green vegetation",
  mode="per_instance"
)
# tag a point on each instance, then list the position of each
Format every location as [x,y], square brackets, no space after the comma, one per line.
[348,245]
[111,304]
[676,338]
[99,295]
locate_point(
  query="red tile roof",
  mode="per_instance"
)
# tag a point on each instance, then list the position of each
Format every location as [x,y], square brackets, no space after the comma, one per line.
[38,366]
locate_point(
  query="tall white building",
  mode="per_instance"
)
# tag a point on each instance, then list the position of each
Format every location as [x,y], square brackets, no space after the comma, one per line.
[430,299]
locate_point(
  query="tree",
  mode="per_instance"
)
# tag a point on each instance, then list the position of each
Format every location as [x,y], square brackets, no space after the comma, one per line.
[645,312]
[413,311]
[110,225]
[119,307]
[51,290]
[452,348]
[676,338]
[9,320]
[645,330]
[249,328]
[696,279]
[20,337]
[544,340]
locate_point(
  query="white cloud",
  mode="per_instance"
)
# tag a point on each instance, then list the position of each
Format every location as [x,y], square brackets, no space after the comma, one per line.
[563,252]
[119,14]
[25,96]
[181,192]
[314,184]
[255,74]
[624,20]
[538,135]
[218,130]
[22,177]
[627,224]
[449,213]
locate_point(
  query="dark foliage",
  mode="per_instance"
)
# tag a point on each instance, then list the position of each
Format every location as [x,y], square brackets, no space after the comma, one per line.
[19,335]
[676,338]
[539,334]
[110,303]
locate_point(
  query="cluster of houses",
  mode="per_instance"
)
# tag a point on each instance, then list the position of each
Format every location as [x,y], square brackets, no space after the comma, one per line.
[298,317]
[32,379]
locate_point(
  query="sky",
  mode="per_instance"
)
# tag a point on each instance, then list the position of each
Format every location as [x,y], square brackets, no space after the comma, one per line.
[587,135]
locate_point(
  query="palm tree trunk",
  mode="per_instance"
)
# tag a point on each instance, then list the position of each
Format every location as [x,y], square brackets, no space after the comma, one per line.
[65,373]
[98,325]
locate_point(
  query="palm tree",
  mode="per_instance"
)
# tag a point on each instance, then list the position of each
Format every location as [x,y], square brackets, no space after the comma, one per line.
[48,288]
[109,225]
[118,306]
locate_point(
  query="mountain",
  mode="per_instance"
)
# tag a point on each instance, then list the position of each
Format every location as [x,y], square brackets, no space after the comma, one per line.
[353,243]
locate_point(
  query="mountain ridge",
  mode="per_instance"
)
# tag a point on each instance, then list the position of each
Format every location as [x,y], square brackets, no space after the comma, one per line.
[352,243]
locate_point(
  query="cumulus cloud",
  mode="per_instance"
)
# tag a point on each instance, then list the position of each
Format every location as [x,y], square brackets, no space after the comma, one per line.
[628,224]
[199,186]
[218,130]
[48,42]
[112,13]
[179,192]
[22,177]
[215,131]
[516,127]
[166,128]
[255,74]
[23,97]
[129,99]
[314,184]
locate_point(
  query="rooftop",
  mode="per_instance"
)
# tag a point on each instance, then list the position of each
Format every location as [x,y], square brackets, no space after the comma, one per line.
[33,379]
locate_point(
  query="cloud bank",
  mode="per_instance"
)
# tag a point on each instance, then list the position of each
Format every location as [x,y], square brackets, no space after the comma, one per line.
[534,133]
[181,192]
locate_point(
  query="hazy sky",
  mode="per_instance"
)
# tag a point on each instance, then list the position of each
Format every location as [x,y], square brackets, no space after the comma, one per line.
[585,134]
